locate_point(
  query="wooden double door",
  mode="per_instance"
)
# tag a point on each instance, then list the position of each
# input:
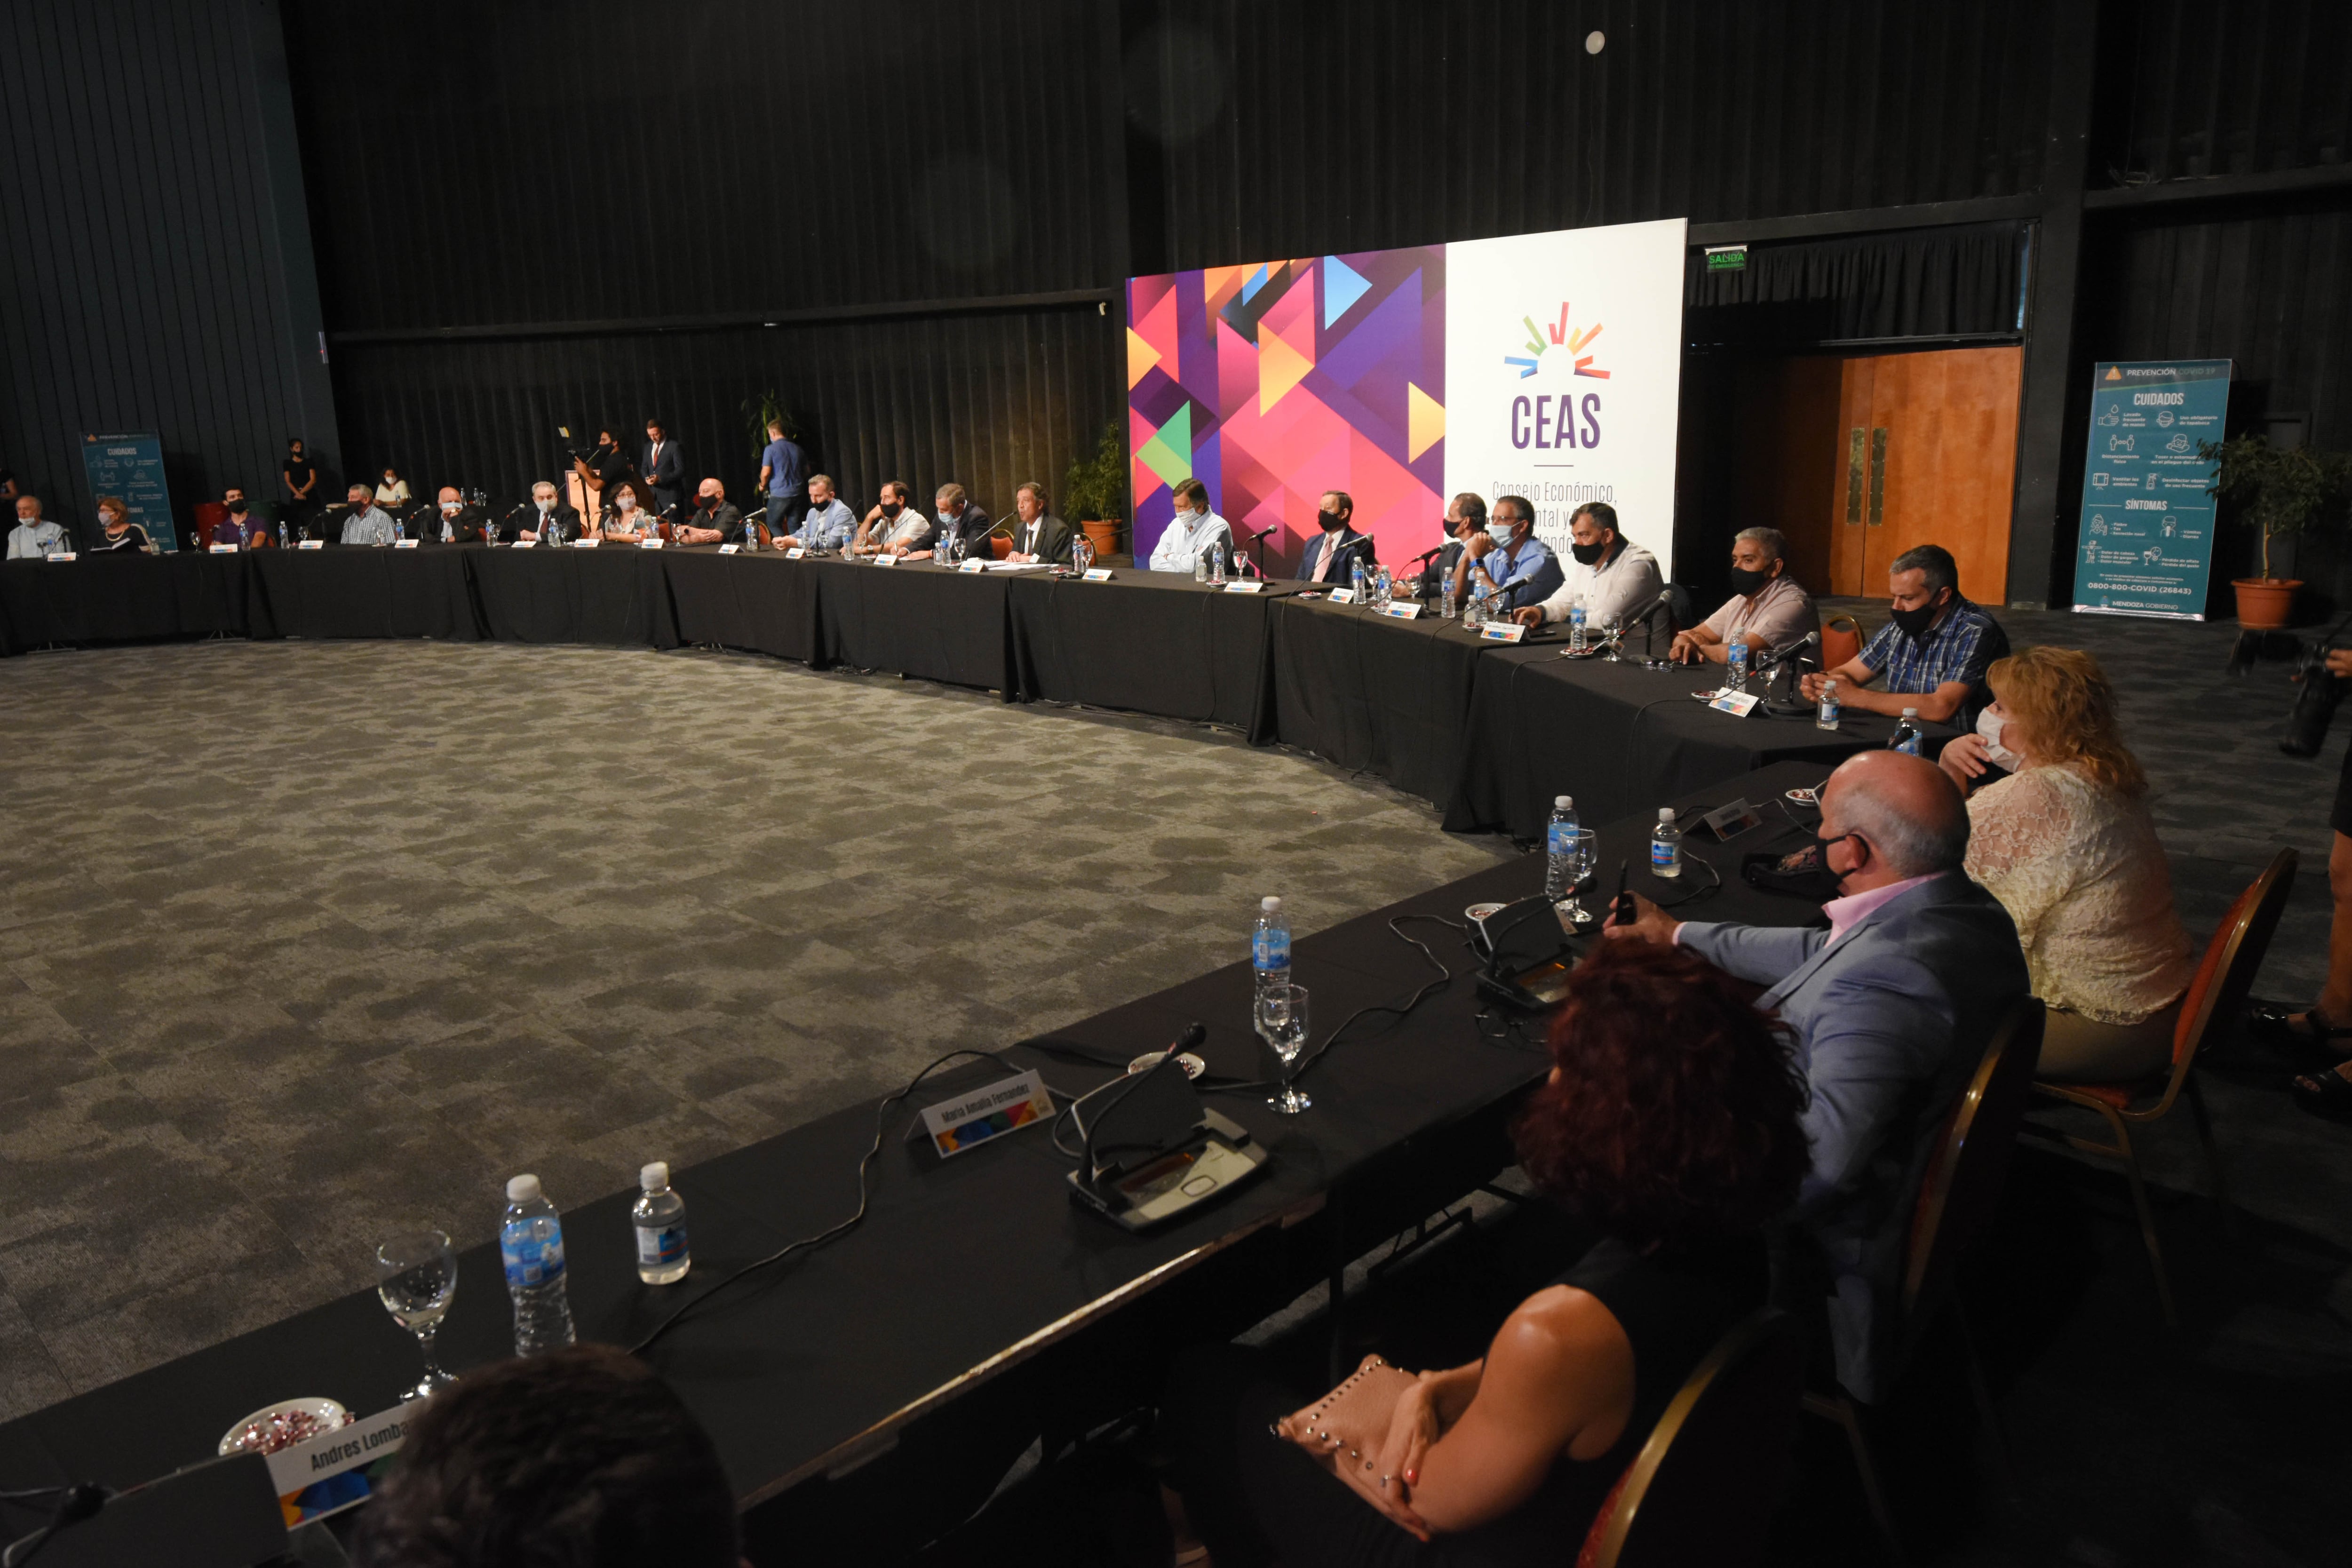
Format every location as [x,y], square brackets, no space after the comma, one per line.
[1858,458]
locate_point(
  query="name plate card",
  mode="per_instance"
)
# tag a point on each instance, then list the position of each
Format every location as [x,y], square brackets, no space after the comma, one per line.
[1402,612]
[886,561]
[526,545]
[223,549]
[66,555]
[586,543]
[1512,633]
[796,553]
[650,543]
[403,544]
[339,1469]
[974,565]
[1343,595]
[956,1125]
[311,544]
[730,549]
[1245,587]
[1738,704]
[1098,573]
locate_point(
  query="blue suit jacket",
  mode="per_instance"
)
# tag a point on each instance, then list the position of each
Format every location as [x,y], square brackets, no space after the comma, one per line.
[1890,1025]
[1353,546]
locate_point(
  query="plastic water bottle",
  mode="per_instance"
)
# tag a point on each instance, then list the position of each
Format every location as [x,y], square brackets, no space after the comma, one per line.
[1356,578]
[1735,660]
[1559,848]
[531,1243]
[1200,567]
[1383,588]
[1907,737]
[1575,626]
[1216,566]
[1666,846]
[1827,718]
[1269,947]
[1474,613]
[660,1219]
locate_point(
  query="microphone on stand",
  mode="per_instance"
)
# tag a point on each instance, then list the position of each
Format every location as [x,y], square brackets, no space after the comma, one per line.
[1782,654]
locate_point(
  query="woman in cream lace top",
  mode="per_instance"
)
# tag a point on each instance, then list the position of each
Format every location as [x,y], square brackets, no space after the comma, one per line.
[2067,846]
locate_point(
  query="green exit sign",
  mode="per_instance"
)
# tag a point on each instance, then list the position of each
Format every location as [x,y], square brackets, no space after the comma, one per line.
[1727,258]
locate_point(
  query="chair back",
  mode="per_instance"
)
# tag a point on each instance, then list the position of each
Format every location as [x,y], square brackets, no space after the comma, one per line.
[1705,1486]
[2226,974]
[210,515]
[1962,1186]
[1841,639]
[1682,606]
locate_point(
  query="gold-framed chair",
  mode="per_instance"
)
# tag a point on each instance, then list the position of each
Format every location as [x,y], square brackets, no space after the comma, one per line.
[1705,1486]
[2215,1000]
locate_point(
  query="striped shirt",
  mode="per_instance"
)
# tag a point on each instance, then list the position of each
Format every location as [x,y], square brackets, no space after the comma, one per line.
[1959,648]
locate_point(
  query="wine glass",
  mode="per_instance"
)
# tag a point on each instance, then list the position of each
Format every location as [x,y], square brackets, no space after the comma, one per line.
[1582,858]
[416,1276]
[1282,1023]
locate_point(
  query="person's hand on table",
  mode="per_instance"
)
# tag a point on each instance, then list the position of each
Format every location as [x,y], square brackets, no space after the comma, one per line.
[1811,685]
[1651,924]
[1686,650]
[1532,616]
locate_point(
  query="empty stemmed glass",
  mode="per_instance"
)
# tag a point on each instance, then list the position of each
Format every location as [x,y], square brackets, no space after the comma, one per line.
[416,1276]
[1582,858]
[1282,1023]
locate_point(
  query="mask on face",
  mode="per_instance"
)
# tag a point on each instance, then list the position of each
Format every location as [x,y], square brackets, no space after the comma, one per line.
[945,520]
[1747,583]
[236,507]
[1331,520]
[1500,533]
[1991,726]
[890,509]
[1826,846]
[628,503]
[1914,622]
[1587,555]
[449,508]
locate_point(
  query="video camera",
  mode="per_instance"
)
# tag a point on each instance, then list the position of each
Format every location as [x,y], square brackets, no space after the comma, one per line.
[2318,691]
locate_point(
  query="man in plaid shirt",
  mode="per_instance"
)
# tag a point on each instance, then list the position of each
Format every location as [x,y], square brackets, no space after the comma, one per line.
[1933,652]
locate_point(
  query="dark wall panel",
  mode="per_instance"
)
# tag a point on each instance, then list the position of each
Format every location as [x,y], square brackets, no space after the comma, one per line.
[2231,87]
[140,284]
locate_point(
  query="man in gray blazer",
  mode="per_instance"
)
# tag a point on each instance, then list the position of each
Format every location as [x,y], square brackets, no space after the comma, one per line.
[1892,1008]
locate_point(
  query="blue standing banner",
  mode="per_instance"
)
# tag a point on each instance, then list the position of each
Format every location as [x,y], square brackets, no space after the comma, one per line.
[131,467]
[2145,542]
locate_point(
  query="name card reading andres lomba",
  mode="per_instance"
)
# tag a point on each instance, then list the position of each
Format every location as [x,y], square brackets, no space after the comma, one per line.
[339,1469]
[956,1125]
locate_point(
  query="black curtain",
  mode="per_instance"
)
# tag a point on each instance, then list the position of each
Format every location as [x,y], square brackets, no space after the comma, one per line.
[1913,284]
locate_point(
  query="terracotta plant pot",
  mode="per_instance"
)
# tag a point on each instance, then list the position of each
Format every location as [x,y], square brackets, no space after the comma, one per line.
[2265,603]
[1103,536]
[1002,545]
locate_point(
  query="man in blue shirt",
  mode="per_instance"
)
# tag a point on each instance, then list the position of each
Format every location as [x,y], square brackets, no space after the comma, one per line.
[828,525]
[1505,558]
[784,479]
[1934,650]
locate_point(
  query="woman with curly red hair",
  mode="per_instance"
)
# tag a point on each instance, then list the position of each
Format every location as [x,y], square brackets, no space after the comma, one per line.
[1669,1122]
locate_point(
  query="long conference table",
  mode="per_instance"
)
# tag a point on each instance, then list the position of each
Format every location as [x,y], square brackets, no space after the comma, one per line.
[1488,731]
[867,1395]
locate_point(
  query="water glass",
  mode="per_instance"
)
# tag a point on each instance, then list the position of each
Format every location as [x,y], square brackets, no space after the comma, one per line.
[417,1277]
[1581,859]
[1282,1023]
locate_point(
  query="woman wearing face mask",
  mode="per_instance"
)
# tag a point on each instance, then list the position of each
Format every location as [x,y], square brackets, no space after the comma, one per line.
[393,490]
[627,522]
[1195,531]
[121,533]
[2066,844]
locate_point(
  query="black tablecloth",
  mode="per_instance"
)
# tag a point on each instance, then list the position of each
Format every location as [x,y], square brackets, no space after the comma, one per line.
[119,597]
[1150,642]
[761,603]
[364,592]
[614,595]
[1618,737]
[1375,694]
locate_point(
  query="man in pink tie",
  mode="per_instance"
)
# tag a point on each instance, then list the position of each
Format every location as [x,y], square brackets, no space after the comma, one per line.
[1331,555]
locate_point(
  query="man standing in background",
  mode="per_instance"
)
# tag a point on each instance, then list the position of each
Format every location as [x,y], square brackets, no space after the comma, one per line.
[784,479]
[663,466]
[300,478]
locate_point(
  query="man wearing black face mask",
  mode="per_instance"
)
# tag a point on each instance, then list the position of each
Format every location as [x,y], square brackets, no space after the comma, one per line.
[1331,554]
[1933,649]
[1616,578]
[1767,609]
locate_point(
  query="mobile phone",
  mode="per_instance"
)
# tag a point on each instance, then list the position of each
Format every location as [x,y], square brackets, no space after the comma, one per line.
[1621,908]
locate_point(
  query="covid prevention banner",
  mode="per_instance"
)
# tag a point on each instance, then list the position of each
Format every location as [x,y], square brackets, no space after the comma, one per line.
[131,467]
[2145,545]
[1542,366]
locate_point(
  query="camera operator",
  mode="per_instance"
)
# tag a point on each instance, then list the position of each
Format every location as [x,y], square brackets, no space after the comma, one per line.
[2323,1030]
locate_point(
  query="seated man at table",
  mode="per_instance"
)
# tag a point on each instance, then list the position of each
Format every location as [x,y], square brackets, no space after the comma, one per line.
[1615,579]
[829,524]
[453,522]
[1466,518]
[894,527]
[1039,536]
[1767,609]
[1332,555]
[958,521]
[579,1459]
[1516,569]
[366,522]
[1193,533]
[551,519]
[714,520]
[35,538]
[1892,1007]
[240,527]
[1933,649]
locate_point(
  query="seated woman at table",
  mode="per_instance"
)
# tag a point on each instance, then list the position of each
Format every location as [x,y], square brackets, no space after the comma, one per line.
[121,533]
[393,489]
[2067,846]
[626,520]
[1669,1122]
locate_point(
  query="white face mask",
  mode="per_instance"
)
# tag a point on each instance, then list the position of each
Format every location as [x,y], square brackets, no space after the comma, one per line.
[449,508]
[547,503]
[628,503]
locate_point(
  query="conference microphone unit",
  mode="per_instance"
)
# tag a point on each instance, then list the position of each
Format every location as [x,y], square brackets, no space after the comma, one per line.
[1262,532]
[1427,554]
[1153,1152]
[1782,654]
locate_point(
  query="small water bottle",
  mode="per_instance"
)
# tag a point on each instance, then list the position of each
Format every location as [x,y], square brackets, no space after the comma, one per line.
[1827,718]
[1269,947]
[1216,566]
[1474,613]
[1356,578]
[1447,607]
[1200,567]
[1666,846]
[1575,626]
[660,1219]
[1907,737]
[531,1243]
[1559,849]
[1735,660]
[1383,588]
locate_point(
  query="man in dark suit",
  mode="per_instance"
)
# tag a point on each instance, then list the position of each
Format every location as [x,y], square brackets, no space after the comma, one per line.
[1892,1008]
[551,519]
[453,522]
[1037,533]
[1332,555]
[663,466]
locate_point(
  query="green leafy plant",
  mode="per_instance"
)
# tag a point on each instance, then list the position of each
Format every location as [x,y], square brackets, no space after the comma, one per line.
[1094,489]
[765,407]
[2279,490]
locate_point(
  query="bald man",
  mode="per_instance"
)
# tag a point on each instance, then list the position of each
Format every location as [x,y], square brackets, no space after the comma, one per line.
[1892,1007]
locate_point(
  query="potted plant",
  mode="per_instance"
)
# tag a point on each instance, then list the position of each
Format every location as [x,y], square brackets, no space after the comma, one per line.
[1095,491]
[2280,492]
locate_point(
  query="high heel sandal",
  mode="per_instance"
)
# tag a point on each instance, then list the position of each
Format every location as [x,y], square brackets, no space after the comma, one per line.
[2326,1095]
[2316,1036]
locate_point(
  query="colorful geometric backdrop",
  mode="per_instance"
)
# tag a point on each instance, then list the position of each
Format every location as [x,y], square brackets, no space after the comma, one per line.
[1274,381]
